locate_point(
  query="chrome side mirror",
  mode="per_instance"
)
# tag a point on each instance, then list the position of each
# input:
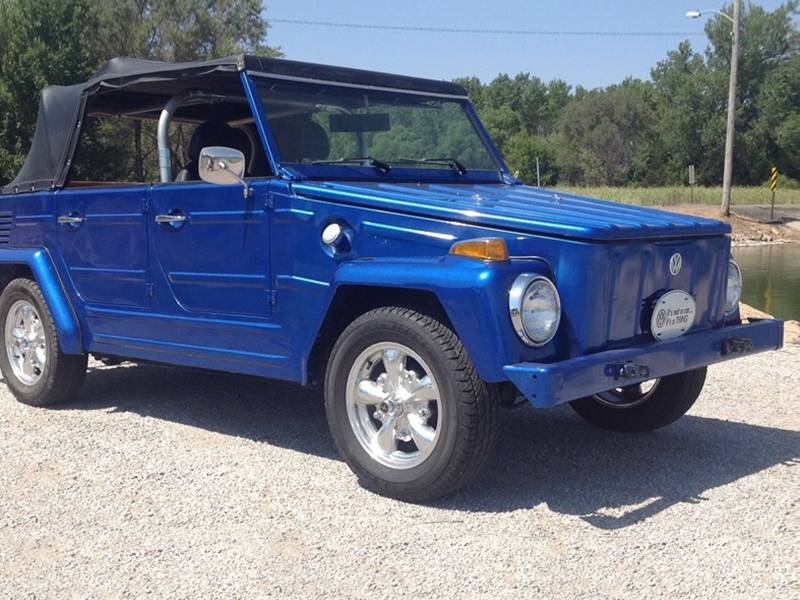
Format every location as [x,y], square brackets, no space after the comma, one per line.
[224,166]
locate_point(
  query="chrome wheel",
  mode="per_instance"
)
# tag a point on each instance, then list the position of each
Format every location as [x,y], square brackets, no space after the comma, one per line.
[394,405]
[628,396]
[406,408]
[26,343]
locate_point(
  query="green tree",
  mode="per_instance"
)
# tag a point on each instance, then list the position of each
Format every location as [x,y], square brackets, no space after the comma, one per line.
[559,94]
[533,104]
[768,40]
[42,44]
[502,123]
[475,90]
[522,152]
[683,111]
[691,93]
[684,106]
[178,30]
[64,41]
[170,30]
[521,115]
[779,122]
[603,136]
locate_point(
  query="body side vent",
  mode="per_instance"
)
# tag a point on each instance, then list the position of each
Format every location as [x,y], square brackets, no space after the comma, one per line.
[5,227]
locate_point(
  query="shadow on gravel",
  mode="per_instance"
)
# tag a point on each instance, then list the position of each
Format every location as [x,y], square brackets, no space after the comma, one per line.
[263,410]
[616,480]
[610,480]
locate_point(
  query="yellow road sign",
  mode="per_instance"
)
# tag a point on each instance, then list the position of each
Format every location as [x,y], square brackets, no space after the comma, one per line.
[773,181]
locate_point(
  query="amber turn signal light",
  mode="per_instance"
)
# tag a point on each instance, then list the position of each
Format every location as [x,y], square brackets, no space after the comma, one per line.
[488,249]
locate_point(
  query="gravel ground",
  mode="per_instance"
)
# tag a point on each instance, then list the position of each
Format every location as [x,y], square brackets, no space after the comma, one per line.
[165,483]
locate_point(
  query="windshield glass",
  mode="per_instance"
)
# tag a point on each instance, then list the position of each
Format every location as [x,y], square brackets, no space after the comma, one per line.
[320,126]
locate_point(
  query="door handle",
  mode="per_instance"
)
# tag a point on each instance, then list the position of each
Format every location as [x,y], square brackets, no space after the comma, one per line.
[71,220]
[170,219]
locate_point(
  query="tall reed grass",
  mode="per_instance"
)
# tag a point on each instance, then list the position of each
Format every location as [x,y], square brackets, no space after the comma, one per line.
[673,196]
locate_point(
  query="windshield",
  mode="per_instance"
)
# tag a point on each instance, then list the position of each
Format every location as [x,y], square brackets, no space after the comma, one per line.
[325,130]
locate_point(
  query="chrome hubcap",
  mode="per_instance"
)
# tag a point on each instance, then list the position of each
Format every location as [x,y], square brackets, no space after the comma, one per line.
[394,405]
[26,344]
[628,396]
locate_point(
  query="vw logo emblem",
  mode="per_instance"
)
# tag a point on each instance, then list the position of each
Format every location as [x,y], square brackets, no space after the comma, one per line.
[675,263]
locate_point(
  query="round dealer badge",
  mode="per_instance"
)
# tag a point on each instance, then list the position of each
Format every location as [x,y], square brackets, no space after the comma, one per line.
[673,315]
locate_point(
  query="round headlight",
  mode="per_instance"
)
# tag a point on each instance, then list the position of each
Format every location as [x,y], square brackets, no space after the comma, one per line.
[734,292]
[535,309]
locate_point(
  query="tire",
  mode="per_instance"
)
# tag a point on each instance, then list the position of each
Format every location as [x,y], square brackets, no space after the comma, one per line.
[643,407]
[37,372]
[405,406]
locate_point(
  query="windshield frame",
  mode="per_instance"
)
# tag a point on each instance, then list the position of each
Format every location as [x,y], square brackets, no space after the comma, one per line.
[350,172]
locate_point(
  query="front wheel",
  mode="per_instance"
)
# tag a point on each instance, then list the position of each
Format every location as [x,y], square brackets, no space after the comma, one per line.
[37,372]
[405,406]
[643,406]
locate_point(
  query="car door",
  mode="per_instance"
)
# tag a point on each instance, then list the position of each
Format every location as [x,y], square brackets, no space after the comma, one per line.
[102,237]
[211,249]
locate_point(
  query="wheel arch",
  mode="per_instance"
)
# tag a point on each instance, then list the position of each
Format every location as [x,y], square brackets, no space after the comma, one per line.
[11,271]
[469,296]
[36,264]
[350,302]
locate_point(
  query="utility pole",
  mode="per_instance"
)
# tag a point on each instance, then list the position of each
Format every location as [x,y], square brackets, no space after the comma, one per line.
[727,177]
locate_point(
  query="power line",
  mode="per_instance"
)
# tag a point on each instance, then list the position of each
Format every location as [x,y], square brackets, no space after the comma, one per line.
[531,32]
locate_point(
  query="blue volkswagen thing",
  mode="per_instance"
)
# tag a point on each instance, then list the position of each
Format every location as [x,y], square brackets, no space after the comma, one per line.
[358,230]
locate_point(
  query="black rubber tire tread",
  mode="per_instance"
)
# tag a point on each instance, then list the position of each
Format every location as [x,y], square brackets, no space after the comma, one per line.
[476,404]
[64,373]
[673,397]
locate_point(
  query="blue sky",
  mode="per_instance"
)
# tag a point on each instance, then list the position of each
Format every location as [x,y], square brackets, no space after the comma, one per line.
[591,61]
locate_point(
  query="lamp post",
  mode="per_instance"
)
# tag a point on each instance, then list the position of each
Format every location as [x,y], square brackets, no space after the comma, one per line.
[727,175]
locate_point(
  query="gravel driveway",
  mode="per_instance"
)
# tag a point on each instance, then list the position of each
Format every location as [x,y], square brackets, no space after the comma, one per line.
[166,483]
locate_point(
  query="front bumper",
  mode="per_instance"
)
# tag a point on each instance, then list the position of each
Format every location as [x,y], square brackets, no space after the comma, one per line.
[547,385]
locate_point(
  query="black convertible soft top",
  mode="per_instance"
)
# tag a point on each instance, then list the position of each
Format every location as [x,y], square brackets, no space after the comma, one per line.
[62,108]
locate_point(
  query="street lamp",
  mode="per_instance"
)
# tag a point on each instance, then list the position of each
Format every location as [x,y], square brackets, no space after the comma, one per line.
[727,176]
[695,14]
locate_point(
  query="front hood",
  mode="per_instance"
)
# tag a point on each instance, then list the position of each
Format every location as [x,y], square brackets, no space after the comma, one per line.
[517,208]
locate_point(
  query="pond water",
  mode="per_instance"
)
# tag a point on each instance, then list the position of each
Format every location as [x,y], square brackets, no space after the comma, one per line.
[771,277]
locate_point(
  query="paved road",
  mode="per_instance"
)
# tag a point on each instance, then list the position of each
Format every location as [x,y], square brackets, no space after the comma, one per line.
[164,483]
[788,213]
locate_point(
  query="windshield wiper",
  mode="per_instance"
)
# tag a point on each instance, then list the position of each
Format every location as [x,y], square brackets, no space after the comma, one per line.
[450,162]
[373,162]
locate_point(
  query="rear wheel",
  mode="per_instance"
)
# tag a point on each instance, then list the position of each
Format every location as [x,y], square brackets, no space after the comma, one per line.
[405,406]
[37,372]
[644,406]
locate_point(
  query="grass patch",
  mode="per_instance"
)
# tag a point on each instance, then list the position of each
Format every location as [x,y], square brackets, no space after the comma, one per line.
[673,196]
